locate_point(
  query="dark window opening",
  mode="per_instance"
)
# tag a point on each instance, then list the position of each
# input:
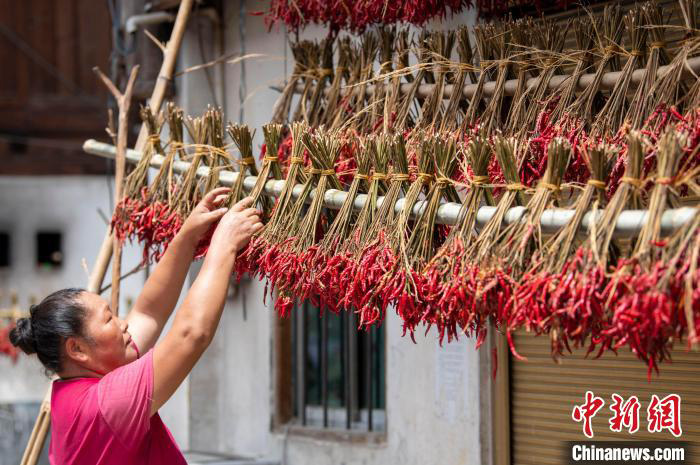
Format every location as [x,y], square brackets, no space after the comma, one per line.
[49,253]
[18,147]
[4,249]
[341,382]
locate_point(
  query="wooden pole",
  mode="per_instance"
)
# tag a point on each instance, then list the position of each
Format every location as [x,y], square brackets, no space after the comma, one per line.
[41,426]
[123,103]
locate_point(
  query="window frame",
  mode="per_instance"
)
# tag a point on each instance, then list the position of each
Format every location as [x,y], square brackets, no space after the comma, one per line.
[284,420]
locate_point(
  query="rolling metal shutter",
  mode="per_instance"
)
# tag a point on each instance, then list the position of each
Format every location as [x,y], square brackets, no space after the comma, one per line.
[543,394]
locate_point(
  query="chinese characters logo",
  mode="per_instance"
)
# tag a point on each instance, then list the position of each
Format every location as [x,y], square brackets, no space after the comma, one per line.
[662,414]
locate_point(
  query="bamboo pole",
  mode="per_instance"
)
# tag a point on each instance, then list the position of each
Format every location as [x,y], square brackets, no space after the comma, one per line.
[608,82]
[123,103]
[628,224]
[41,426]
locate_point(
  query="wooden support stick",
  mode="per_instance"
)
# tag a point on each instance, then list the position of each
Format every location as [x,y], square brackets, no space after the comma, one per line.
[123,103]
[41,427]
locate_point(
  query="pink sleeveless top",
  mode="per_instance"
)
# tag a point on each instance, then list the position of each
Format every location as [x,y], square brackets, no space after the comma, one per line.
[107,421]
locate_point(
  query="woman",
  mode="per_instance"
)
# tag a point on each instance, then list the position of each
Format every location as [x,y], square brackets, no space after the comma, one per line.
[113,376]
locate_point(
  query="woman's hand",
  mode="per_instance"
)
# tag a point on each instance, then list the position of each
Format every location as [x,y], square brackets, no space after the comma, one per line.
[206,213]
[236,228]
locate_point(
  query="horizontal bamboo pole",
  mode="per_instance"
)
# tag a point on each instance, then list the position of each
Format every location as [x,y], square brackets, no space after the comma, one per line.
[608,82]
[628,224]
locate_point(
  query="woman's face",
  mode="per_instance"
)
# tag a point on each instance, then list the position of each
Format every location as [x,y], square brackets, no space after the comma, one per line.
[111,345]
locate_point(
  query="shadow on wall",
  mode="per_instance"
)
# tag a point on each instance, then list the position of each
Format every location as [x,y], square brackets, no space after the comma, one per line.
[16,423]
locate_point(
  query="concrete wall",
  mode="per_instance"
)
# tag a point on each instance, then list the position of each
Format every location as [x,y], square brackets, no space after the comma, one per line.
[433,393]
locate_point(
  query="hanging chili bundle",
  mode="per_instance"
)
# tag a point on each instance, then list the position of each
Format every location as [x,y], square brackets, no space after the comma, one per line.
[501,48]
[484,38]
[636,292]
[332,256]
[443,293]
[407,100]
[333,98]
[613,112]
[642,103]
[376,259]
[670,86]
[486,286]
[291,271]
[542,302]
[381,116]
[439,45]
[270,165]
[522,238]
[242,137]
[166,221]
[607,40]
[190,192]
[416,244]
[458,77]
[377,148]
[324,76]
[589,265]
[132,217]
[520,39]
[548,36]
[311,59]
[582,56]
[280,112]
[261,250]
[356,17]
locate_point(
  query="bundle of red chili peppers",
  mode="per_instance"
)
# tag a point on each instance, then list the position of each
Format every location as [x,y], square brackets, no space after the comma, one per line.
[357,16]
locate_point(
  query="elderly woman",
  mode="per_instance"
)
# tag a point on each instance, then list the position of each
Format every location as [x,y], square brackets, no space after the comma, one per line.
[114,374]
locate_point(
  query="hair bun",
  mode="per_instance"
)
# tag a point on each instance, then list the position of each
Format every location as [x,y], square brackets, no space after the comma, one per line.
[22,336]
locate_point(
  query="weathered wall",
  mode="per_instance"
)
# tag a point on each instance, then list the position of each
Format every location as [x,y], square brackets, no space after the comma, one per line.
[433,398]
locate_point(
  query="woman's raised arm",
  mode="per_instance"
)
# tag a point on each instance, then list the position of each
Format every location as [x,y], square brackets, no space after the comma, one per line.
[196,320]
[162,288]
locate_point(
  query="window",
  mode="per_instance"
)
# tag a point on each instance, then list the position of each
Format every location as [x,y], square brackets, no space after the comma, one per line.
[4,249]
[337,371]
[48,250]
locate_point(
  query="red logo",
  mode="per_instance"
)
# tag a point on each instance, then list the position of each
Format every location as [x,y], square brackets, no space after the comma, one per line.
[662,414]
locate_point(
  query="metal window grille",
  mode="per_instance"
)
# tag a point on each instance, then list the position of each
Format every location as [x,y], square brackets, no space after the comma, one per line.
[338,371]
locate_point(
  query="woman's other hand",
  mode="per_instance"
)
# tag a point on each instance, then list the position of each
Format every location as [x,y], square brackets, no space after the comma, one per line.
[236,228]
[206,213]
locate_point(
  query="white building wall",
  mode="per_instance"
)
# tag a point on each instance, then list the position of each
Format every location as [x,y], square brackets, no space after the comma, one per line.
[433,393]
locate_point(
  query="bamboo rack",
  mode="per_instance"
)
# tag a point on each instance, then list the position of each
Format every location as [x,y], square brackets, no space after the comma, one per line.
[628,225]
